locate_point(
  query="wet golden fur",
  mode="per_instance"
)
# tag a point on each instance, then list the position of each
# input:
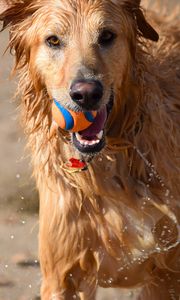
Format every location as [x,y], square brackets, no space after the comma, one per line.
[115,225]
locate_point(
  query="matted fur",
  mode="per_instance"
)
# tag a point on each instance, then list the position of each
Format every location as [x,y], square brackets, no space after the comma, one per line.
[116,224]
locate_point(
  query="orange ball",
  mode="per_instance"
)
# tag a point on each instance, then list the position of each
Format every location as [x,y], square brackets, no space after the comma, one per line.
[70,120]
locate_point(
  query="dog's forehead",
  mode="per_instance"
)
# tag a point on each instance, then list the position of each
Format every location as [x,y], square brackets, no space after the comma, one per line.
[67,12]
[80,4]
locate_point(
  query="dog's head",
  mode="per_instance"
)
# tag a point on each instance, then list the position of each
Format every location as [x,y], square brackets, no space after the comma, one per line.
[80,51]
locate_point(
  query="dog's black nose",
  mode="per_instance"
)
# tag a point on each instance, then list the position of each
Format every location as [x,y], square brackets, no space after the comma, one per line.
[86,93]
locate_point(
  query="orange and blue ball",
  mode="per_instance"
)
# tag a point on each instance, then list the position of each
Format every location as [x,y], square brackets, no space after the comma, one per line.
[70,120]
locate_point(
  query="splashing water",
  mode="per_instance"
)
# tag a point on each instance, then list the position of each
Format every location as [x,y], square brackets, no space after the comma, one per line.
[153,173]
[168,195]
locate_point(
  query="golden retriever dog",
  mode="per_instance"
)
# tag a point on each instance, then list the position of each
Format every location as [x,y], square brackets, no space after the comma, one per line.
[108,194]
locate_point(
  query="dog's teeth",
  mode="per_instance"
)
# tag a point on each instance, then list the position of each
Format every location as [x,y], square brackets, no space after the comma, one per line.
[100,135]
[84,142]
[89,143]
[97,141]
[78,136]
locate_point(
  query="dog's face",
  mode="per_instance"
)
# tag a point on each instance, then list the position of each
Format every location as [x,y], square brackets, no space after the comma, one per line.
[80,51]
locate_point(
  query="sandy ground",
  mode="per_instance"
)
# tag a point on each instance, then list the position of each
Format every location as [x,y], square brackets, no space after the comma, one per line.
[19,271]
[18,231]
[15,179]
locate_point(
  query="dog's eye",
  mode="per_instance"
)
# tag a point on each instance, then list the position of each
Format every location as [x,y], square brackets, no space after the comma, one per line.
[106,38]
[53,41]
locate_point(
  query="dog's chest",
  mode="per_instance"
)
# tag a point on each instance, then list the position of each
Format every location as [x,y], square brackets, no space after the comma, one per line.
[122,272]
[105,239]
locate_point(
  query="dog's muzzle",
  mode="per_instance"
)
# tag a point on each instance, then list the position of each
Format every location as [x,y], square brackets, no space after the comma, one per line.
[92,140]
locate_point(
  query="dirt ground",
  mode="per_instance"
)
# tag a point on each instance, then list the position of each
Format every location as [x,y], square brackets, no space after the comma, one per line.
[20,275]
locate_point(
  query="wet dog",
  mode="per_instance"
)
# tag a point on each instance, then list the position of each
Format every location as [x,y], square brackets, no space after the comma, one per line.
[108,194]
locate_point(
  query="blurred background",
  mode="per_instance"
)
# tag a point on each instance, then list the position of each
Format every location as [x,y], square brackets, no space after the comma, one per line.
[19,268]
[19,272]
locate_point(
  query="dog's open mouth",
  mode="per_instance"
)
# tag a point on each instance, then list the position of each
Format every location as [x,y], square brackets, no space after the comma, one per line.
[92,139]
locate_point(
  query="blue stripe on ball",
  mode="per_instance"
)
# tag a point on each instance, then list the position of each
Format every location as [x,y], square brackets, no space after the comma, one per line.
[67,116]
[89,116]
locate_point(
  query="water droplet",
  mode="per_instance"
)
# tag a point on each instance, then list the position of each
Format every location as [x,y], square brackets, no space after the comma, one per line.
[125,228]
[167,193]
[110,280]
[158,249]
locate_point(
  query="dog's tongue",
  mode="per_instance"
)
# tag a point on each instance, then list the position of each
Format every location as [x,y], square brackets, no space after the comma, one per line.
[97,125]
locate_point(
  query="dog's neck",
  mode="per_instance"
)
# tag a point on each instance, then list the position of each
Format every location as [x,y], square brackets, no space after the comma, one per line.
[126,115]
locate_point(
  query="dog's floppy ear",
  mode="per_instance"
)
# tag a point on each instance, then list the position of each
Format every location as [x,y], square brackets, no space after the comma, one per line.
[144,27]
[13,11]
[4,6]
